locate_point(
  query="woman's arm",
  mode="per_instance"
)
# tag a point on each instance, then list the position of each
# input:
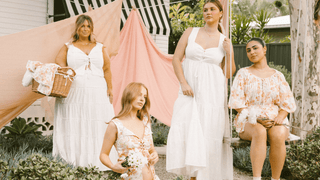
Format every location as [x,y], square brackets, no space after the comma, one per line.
[229,58]
[107,73]
[61,58]
[108,141]
[176,62]
[154,157]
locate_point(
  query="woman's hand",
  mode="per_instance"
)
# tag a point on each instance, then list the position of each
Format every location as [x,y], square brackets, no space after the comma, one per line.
[278,120]
[110,95]
[119,168]
[154,158]
[226,45]
[186,89]
[266,123]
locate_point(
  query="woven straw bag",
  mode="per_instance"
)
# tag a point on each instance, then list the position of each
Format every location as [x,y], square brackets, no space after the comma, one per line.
[62,82]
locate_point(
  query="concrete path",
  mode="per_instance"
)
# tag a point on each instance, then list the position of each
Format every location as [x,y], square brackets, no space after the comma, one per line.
[160,167]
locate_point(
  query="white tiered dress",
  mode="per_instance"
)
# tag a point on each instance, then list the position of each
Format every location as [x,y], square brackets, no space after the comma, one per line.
[195,142]
[80,119]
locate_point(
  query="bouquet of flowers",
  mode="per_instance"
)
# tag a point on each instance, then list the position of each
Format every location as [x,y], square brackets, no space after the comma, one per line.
[135,160]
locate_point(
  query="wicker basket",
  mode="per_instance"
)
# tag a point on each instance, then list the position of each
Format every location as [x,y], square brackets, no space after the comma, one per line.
[61,85]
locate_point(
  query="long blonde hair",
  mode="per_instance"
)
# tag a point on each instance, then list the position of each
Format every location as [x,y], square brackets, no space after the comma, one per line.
[220,7]
[129,94]
[80,20]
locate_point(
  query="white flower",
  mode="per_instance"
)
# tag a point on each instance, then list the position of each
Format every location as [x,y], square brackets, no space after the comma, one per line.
[124,175]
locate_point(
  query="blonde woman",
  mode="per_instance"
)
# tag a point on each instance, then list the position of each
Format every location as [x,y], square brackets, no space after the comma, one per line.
[80,119]
[131,130]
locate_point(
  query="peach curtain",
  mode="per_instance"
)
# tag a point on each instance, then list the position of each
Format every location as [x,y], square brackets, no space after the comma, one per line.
[140,60]
[43,44]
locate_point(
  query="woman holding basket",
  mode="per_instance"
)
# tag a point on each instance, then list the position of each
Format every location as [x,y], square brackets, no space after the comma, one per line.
[80,119]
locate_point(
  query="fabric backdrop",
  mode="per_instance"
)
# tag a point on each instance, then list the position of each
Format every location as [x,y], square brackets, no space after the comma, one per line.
[140,60]
[43,44]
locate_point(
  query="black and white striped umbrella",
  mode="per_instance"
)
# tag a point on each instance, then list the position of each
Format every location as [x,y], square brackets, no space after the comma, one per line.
[153,12]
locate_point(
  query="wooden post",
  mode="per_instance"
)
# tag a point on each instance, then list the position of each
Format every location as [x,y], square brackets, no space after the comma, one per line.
[305,53]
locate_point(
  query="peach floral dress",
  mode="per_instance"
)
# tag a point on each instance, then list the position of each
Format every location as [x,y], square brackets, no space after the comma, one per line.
[266,95]
[127,140]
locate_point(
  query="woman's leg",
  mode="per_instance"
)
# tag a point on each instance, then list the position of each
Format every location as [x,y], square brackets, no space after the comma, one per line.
[277,155]
[257,134]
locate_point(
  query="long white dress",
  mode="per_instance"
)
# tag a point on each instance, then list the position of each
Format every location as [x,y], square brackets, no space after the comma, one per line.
[195,142]
[80,119]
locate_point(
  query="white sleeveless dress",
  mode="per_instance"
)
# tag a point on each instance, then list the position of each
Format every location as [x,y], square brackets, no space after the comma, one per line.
[195,142]
[80,119]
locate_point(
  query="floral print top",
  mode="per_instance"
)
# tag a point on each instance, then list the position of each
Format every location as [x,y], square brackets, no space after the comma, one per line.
[268,95]
[127,140]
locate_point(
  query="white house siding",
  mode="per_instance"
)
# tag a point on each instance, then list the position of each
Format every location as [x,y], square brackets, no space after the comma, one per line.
[21,15]
[162,41]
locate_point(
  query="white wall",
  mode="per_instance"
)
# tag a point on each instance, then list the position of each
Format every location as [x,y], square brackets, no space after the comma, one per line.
[161,40]
[21,15]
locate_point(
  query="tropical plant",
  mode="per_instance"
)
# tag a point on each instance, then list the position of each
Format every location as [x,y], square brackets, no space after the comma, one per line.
[20,128]
[241,29]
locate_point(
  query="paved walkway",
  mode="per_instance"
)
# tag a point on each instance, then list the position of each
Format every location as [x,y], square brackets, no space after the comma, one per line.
[160,167]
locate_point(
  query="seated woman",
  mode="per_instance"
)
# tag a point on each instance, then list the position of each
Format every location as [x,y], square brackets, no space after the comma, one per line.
[131,130]
[263,99]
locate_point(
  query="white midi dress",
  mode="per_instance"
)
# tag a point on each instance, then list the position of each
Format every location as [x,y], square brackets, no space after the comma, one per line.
[80,119]
[195,142]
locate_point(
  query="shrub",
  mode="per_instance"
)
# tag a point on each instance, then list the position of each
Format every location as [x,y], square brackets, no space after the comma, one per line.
[160,134]
[37,166]
[35,142]
[241,160]
[283,70]
[303,159]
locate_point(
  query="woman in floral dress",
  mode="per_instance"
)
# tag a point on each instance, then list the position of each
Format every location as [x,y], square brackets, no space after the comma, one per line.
[130,131]
[263,99]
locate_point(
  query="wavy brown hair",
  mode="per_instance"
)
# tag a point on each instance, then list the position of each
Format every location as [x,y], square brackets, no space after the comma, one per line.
[130,93]
[220,7]
[79,22]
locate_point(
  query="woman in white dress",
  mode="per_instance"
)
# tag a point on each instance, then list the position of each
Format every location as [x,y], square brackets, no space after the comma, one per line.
[80,119]
[195,142]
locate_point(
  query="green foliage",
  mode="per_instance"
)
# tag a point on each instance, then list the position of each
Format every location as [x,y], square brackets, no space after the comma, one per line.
[245,27]
[4,169]
[283,70]
[116,176]
[247,7]
[182,17]
[37,166]
[241,160]
[160,133]
[36,142]
[19,128]
[241,29]
[286,39]
[303,159]
[179,178]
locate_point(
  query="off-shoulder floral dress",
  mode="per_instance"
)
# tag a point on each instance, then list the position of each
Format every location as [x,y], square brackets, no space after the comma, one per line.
[127,140]
[265,95]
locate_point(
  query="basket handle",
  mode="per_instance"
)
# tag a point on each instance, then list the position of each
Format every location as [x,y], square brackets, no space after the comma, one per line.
[65,73]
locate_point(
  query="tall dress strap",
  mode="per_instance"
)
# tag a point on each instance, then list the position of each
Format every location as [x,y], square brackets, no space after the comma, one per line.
[193,35]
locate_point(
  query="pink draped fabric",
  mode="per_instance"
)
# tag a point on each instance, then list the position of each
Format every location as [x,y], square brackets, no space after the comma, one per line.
[140,60]
[43,44]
